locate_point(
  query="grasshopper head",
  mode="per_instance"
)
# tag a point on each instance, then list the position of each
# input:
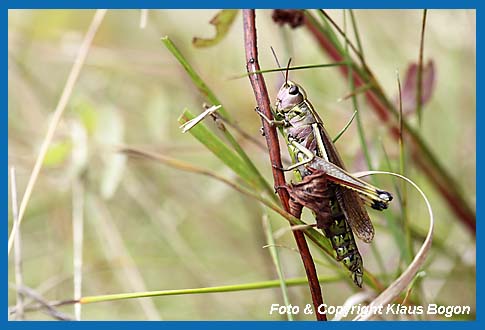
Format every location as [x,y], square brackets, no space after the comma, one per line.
[289,95]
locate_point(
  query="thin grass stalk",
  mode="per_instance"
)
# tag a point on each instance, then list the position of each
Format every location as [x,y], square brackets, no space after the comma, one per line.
[115,250]
[344,129]
[343,33]
[276,261]
[357,34]
[290,282]
[355,104]
[402,170]
[19,315]
[405,215]
[360,127]
[419,92]
[393,226]
[357,91]
[143,18]
[45,306]
[77,238]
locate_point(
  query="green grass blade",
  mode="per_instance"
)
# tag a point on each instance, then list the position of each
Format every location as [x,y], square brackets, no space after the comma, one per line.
[211,97]
[196,79]
[356,32]
[327,29]
[212,142]
[293,68]
[360,127]
[214,289]
[342,131]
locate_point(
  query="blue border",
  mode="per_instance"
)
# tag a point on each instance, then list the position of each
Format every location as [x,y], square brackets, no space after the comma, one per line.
[148,4]
[8,4]
[480,135]
[244,325]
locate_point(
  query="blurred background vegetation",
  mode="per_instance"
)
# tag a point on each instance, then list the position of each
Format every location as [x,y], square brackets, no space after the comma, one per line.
[151,227]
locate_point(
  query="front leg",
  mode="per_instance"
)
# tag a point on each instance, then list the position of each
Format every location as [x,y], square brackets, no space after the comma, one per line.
[272,122]
[310,156]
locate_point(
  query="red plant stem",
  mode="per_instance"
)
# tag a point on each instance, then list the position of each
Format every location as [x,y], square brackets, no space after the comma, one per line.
[454,200]
[262,98]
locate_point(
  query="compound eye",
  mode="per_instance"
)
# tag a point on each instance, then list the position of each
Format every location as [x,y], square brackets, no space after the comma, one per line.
[293,90]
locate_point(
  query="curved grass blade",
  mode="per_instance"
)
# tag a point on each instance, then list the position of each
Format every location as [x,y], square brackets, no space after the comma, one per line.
[407,277]
[335,139]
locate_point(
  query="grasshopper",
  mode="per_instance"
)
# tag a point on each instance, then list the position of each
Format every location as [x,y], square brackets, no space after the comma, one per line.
[339,204]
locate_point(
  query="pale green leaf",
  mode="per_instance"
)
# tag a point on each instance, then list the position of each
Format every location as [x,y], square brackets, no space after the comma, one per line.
[57,153]
[222,22]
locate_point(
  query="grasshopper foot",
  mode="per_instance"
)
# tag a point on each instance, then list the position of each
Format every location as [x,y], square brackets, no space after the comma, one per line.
[281,168]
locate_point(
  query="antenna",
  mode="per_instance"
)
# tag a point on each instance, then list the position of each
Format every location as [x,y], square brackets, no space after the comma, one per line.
[287,69]
[277,62]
